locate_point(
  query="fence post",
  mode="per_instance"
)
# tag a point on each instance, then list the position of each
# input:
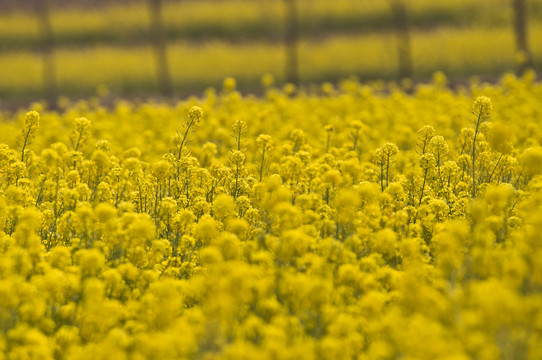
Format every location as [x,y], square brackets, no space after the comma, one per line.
[402,30]
[520,30]
[49,79]
[291,41]
[159,42]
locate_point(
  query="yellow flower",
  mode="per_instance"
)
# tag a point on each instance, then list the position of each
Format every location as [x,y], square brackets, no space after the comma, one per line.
[229,84]
[161,170]
[31,123]
[195,114]
[80,132]
[239,127]
[223,206]
[482,107]
[427,161]
[532,160]
[91,261]
[264,142]
[385,242]
[237,158]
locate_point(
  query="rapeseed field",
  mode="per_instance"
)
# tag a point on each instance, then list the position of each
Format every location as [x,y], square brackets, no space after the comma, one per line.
[389,221]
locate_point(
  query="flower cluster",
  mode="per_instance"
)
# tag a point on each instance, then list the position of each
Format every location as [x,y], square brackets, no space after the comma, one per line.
[351,224]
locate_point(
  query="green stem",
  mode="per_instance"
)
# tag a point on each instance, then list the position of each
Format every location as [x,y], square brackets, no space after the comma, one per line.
[387,170]
[25,143]
[262,164]
[474,151]
[423,186]
[183,141]
[495,168]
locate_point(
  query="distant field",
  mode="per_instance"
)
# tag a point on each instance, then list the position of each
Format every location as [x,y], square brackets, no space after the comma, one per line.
[130,70]
[210,40]
[245,20]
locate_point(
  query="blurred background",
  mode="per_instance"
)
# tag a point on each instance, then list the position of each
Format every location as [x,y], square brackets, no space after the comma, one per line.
[147,48]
